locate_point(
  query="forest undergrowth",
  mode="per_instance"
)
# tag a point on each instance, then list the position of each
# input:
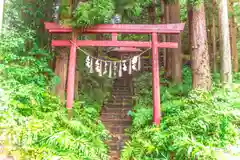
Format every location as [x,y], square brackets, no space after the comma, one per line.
[195,124]
[34,123]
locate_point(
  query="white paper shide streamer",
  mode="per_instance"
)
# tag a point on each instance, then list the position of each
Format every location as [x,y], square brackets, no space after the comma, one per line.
[105,68]
[88,62]
[134,63]
[97,66]
[124,66]
[120,70]
[113,68]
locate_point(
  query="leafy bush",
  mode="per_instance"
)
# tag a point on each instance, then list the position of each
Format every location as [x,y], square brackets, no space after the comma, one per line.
[37,123]
[195,124]
[42,131]
[34,123]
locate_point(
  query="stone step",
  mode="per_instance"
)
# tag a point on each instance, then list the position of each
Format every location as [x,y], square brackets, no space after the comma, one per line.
[112,116]
[116,110]
[121,97]
[114,155]
[116,146]
[118,87]
[110,122]
[119,101]
[117,129]
[120,94]
[118,105]
[113,126]
[121,89]
[117,137]
[120,83]
[116,120]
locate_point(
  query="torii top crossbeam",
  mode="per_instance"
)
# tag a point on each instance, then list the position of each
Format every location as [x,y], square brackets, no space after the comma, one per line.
[154,30]
[120,28]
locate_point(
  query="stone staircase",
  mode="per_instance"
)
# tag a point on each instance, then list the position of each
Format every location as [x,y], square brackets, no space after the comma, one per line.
[114,116]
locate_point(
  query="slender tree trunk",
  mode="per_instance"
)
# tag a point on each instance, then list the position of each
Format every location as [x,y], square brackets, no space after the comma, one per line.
[199,54]
[1,14]
[168,69]
[233,38]
[213,35]
[226,64]
[61,72]
[153,12]
[219,40]
[207,9]
[163,37]
[62,59]
[174,17]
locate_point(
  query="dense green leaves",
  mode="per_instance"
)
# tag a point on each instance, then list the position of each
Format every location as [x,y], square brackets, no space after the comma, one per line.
[34,123]
[195,124]
[93,12]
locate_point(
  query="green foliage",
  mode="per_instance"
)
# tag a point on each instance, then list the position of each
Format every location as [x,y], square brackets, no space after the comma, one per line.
[93,12]
[98,12]
[34,122]
[143,88]
[40,128]
[97,88]
[195,124]
[37,122]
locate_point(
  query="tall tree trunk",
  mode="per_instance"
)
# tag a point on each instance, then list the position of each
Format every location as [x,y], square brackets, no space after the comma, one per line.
[233,38]
[174,17]
[62,59]
[226,64]
[168,69]
[1,14]
[207,9]
[199,54]
[153,12]
[213,35]
[61,72]
[163,37]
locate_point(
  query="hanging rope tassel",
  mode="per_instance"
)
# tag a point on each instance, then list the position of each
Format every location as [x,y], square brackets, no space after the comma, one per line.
[120,70]
[139,63]
[110,70]
[130,67]
[91,66]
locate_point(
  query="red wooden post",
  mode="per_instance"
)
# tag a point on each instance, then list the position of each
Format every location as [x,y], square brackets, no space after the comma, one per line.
[155,81]
[114,36]
[71,72]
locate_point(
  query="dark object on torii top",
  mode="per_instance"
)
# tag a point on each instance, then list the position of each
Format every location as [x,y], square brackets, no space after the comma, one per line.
[154,30]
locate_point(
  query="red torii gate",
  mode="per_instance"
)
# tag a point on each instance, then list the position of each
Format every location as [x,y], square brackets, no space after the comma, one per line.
[154,30]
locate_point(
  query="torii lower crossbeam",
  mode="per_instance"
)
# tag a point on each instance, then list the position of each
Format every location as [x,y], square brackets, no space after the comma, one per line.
[153,30]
